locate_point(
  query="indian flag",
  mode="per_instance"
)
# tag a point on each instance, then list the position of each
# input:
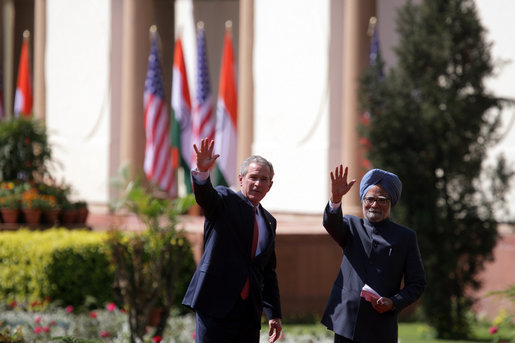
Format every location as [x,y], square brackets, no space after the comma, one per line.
[181,118]
[226,116]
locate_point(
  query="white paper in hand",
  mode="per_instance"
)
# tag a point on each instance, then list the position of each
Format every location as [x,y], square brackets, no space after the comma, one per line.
[369,293]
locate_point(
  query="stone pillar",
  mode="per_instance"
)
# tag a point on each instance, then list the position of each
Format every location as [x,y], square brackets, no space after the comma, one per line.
[136,22]
[245,81]
[39,90]
[8,58]
[356,46]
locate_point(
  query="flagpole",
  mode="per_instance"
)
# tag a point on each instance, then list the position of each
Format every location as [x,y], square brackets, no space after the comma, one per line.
[371,26]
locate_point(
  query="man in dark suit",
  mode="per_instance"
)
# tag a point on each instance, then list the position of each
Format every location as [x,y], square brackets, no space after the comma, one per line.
[236,278]
[378,254]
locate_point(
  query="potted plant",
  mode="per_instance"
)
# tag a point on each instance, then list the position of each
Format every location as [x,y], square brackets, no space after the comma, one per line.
[68,212]
[32,206]
[50,209]
[9,202]
[82,211]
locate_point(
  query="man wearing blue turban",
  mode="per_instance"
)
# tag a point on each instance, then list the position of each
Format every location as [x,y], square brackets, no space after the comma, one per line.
[378,255]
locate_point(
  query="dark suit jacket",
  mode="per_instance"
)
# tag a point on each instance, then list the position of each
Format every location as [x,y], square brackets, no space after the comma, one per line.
[226,262]
[380,255]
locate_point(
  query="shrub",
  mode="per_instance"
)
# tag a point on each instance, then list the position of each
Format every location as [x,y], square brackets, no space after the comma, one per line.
[24,149]
[150,265]
[67,266]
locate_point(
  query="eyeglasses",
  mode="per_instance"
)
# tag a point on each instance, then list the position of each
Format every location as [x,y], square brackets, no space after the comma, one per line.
[381,201]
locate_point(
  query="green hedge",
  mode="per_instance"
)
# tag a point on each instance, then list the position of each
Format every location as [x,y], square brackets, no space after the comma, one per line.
[70,267]
[67,266]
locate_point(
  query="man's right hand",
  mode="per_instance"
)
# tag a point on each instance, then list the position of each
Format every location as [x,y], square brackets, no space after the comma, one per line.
[205,158]
[339,184]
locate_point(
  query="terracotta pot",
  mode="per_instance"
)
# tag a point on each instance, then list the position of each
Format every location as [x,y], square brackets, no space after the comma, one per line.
[82,215]
[68,216]
[10,215]
[32,215]
[51,216]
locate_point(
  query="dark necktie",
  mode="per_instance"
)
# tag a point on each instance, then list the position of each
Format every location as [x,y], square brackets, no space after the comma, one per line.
[255,236]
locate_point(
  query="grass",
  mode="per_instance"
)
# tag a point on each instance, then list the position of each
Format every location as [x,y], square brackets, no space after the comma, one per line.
[408,333]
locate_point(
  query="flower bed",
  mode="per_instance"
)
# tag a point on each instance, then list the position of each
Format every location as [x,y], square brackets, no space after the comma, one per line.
[108,324]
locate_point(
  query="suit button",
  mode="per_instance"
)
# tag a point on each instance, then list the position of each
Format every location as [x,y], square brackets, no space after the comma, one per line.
[375,244]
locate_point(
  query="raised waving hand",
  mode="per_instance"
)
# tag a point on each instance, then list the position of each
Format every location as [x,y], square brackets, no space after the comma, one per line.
[205,158]
[339,184]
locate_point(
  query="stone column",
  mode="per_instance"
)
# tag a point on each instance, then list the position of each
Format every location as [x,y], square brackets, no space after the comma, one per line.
[245,81]
[137,19]
[8,68]
[356,45]
[39,90]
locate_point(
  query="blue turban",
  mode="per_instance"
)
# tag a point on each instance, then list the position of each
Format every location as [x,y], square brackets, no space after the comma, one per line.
[389,181]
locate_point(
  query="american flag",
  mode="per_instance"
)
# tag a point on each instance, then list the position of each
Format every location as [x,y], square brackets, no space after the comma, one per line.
[158,160]
[203,118]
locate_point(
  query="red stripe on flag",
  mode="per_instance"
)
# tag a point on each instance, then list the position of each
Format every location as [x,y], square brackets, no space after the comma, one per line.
[23,96]
[158,163]
[227,87]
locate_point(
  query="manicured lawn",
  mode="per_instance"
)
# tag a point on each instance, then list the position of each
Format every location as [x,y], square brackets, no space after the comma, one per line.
[420,333]
[408,333]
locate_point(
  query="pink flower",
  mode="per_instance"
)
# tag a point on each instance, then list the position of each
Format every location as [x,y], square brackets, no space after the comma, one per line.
[38,329]
[157,339]
[493,329]
[104,334]
[38,319]
[69,309]
[93,314]
[46,328]
[111,307]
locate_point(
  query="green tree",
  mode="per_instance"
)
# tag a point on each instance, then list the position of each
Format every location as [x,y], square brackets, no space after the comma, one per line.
[154,266]
[24,149]
[432,122]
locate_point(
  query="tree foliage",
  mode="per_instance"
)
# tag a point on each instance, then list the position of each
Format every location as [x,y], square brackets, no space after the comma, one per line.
[432,122]
[24,149]
[150,266]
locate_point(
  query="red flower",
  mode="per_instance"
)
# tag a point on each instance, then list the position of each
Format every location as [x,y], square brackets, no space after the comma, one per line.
[493,329]
[92,314]
[34,303]
[13,304]
[111,307]
[46,328]
[104,334]
[157,339]
[52,323]
[69,309]
[38,319]
[38,329]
